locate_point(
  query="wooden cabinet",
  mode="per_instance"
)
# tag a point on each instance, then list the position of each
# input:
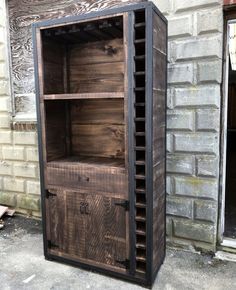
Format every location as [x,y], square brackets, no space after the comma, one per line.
[101,99]
[88,227]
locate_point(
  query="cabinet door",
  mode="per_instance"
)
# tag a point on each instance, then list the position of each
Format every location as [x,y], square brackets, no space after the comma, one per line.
[105,232]
[87,227]
[65,224]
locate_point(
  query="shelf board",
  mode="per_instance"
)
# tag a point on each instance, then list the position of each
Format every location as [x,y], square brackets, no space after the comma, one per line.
[139,119]
[140,232]
[140,190]
[141,271]
[140,57]
[140,148]
[141,259]
[139,133]
[111,95]
[139,73]
[140,218]
[88,160]
[140,205]
[137,41]
[140,246]
[141,24]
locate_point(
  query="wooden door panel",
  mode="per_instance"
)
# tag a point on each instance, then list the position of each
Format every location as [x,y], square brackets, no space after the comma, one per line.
[88,227]
[106,230]
[64,218]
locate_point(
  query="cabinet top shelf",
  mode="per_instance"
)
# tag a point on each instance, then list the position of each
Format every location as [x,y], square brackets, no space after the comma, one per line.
[106,95]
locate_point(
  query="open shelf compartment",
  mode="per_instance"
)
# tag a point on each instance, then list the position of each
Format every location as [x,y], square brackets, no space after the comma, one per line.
[88,131]
[84,58]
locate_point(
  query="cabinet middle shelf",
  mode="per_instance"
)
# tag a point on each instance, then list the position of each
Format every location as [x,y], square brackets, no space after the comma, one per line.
[105,95]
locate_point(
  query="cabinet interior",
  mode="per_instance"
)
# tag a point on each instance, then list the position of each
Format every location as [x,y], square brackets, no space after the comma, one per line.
[87,130]
[84,58]
[83,86]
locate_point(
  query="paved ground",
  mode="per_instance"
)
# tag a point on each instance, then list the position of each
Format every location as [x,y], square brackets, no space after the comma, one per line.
[21,257]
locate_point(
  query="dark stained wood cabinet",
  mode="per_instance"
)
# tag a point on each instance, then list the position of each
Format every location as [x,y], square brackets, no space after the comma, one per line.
[101,99]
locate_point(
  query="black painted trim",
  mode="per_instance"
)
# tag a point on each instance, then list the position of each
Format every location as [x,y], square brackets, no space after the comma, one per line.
[96,269]
[40,141]
[149,140]
[166,132]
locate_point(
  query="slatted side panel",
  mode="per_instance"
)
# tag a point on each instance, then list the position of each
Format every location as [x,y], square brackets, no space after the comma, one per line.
[87,227]
[159,126]
[140,140]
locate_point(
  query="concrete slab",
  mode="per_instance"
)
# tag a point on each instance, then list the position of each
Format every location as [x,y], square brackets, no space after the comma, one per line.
[22,266]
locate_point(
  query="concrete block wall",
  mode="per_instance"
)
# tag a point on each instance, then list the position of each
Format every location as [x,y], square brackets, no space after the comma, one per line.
[193,122]
[19,173]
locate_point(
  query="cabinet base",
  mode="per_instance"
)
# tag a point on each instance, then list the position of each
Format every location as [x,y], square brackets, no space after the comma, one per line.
[125,277]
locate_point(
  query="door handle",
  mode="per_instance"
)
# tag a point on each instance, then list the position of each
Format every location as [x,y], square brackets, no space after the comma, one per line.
[84,207]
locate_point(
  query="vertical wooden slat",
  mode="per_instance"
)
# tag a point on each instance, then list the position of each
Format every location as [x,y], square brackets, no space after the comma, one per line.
[126,114]
[65,69]
[66,85]
[130,67]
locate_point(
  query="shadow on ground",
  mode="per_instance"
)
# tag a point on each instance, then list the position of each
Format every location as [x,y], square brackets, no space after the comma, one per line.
[21,257]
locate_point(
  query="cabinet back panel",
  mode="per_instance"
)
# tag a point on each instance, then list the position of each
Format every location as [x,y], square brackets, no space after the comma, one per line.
[55,130]
[109,111]
[97,128]
[97,67]
[53,67]
[98,140]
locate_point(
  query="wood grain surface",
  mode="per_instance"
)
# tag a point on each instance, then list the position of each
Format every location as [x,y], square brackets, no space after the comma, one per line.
[97,128]
[22,13]
[87,176]
[100,68]
[90,227]
[159,138]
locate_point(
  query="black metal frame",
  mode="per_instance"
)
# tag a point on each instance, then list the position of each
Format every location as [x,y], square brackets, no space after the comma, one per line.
[40,147]
[149,139]
[149,7]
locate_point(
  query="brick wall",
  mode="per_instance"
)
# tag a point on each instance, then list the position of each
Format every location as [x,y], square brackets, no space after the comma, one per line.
[19,176]
[194,77]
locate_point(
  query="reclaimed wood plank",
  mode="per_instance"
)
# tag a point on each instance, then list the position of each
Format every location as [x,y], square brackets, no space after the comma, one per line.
[109,111]
[101,95]
[87,176]
[159,138]
[106,140]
